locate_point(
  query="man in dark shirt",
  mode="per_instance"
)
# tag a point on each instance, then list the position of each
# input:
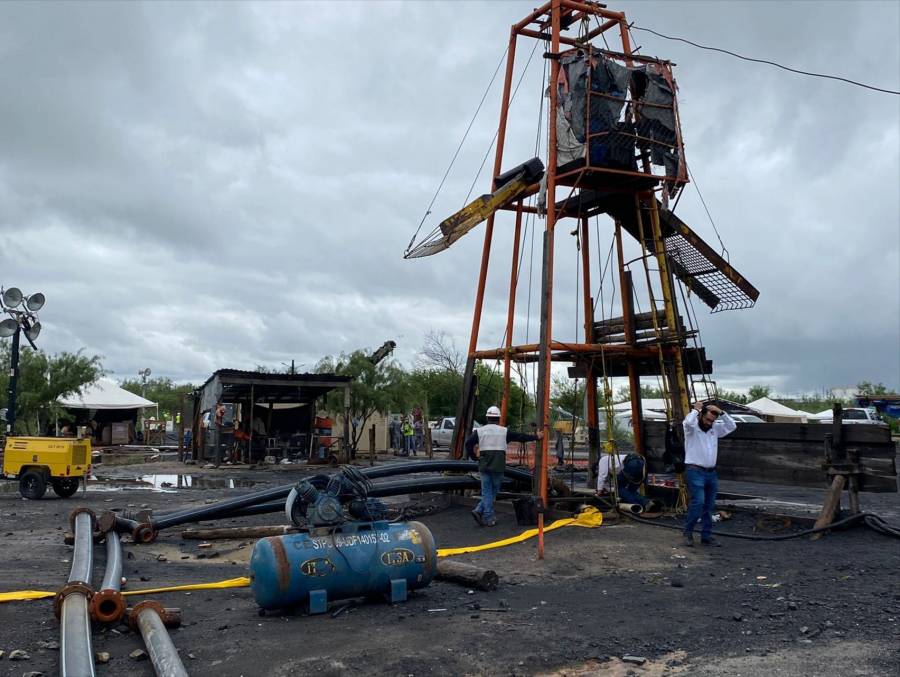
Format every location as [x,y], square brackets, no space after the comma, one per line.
[492,440]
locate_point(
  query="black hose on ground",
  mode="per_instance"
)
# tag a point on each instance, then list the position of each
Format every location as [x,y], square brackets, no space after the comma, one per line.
[869,519]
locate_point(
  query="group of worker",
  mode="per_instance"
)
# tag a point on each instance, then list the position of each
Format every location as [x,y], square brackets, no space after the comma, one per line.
[407,434]
[703,427]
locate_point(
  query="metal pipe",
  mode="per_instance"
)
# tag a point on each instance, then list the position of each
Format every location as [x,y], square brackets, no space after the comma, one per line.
[112,577]
[108,604]
[75,652]
[147,617]
[83,556]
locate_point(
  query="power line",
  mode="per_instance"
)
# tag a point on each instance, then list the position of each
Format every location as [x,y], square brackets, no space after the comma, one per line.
[459,147]
[771,63]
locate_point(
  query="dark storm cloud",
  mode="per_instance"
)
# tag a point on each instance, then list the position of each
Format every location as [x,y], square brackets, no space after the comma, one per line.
[205,185]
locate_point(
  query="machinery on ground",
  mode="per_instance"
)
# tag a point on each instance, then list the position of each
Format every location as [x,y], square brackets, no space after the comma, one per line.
[41,461]
[338,554]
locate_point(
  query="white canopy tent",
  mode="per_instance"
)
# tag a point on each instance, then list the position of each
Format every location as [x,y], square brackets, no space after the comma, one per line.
[104,393]
[111,410]
[777,412]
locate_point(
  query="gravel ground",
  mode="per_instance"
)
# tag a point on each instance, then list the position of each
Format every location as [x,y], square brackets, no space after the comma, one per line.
[749,608]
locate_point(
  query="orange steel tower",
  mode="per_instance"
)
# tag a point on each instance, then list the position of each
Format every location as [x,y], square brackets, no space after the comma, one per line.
[614,148]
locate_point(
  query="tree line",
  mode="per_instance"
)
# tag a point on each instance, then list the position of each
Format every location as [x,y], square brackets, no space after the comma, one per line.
[433,384]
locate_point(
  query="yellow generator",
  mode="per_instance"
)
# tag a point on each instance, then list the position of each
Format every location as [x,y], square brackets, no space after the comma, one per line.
[38,461]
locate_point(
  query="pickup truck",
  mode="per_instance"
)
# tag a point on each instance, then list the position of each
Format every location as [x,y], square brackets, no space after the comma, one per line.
[856,415]
[442,432]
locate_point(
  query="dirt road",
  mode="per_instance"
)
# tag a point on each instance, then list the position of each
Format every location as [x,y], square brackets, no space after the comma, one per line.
[749,608]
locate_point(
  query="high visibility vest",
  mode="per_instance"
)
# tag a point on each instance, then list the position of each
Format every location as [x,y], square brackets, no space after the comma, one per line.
[491,438]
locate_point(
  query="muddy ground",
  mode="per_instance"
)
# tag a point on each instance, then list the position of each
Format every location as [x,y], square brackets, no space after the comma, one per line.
[797,607]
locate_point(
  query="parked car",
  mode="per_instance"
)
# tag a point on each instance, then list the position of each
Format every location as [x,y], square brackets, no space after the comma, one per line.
[858,416]
[442,433]
[747,418]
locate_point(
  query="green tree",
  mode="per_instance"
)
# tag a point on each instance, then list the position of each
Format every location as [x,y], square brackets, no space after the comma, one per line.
[869,389]
[758,391]
[43,379]
[623,394]
[568,395]
[379,388]
[162,391]
[520,412]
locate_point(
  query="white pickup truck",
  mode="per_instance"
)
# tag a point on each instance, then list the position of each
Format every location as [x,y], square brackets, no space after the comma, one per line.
[856,415]
[442,432]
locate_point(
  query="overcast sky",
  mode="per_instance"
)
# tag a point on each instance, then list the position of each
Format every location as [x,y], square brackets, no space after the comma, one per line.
[200,186]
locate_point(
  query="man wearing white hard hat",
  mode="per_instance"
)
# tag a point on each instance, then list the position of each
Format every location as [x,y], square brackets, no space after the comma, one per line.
[492,440]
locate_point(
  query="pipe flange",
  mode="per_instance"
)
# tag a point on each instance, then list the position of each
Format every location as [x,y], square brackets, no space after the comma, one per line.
[78,511]
[106,522]
[68,589]
[107,606]
[144,515]
[170,617]
[144,533]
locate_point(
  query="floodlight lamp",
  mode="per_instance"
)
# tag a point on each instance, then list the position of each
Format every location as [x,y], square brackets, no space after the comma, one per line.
[35,302]
[8,327]
[33,331]
[12,297]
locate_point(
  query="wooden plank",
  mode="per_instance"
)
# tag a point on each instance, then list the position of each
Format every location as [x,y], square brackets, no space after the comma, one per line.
[810,432]
[796,459]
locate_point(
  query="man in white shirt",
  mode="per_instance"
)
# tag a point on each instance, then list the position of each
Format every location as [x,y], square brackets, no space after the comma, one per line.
[702,429]
[631,471]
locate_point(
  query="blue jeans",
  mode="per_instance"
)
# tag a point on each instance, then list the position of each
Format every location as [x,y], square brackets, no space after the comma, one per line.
[703,485]
[490,487]
[630,493]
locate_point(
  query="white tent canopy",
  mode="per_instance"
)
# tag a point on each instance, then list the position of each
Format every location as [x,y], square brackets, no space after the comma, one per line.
[104,393]
[775,409]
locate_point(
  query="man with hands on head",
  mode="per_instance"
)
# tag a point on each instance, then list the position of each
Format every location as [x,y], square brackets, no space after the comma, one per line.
[702,429]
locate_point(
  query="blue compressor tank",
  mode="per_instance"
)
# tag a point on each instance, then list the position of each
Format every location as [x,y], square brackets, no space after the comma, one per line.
[357,559]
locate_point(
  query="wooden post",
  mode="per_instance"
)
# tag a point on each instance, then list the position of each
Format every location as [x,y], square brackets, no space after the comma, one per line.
[467,574]
[590,379]
[372,445]
[181,431]
[829,505]
[252,417]
[429,447]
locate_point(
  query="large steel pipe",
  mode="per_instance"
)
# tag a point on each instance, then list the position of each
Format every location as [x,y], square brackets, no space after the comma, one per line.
[108,604]
[75,650]
[147,618]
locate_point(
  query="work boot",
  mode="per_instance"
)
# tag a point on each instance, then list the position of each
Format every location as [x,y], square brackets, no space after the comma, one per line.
[479,520]
[711,542]
[689,540]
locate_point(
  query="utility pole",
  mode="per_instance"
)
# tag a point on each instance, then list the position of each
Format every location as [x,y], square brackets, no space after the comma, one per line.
[13,384]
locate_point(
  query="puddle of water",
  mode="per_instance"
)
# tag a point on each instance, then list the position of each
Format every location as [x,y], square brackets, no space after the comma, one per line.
[166,483]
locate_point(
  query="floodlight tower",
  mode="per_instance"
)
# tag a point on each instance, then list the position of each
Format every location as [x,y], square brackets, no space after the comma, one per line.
[22,311]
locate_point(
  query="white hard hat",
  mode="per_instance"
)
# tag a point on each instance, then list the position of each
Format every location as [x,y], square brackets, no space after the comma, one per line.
[493,412]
